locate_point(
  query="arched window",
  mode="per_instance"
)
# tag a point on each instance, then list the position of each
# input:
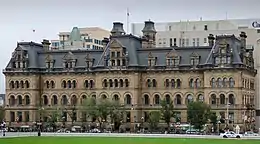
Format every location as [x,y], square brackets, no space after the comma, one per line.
[167,83]
[157,99]
[27,100]
[86,84]
[225,82]
[22,84]
[213,99]
[74,100]
[83,98]
[52,84]
[12,100]
[12,84]
[178,99]
[231,99]
[197,83]
[105,83]
[110,83]
[149,83]
[146,100]
[92,84]
[212,83]
[19,100]
[17,84]
[64,100]
[116,97]
[222,99]
[189,98]
[47,84]
[128,99]
[54,100]
[191,83]
[231,82]
[126,83]
[74,84]
[173,83]
[69,84]
[27,84]
[64,84]
[178,83]
[200,98]
[104,96]
[121,83]
[168,99]
[154,83]
[45,100]
[116,83]
[219,81]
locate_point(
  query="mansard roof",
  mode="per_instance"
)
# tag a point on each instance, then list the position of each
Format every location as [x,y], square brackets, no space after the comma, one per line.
[137,56]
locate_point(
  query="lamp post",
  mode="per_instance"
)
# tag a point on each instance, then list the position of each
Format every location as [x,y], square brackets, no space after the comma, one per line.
[227,114]
[39,124]
[142,123]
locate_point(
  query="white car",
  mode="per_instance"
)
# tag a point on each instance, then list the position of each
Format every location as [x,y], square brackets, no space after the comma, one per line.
[230,134]
[249,133]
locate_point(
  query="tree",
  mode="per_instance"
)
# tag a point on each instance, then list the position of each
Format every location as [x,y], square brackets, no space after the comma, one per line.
[53,118]
[213,119]
[198,114]
[167,111]
[102,109]
[154,119]
[2,113]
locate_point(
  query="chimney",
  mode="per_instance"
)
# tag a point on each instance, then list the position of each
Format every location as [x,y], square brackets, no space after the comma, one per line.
[148,27]
[117,29]
[105,41]
[211,39]
[243,37]
[46,44]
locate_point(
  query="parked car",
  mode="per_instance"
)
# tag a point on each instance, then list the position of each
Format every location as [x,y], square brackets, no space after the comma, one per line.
[230,134]
[250,133]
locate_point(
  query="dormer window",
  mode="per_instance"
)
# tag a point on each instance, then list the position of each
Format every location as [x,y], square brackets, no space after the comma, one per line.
[49,62]
[194,59]
[152,61]
[19,58]
[89,61]
[69,61]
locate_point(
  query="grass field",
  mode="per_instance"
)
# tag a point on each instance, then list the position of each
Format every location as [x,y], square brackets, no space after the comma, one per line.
[110,140]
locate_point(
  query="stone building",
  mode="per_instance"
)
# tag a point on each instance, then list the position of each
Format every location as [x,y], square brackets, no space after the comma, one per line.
[134,71]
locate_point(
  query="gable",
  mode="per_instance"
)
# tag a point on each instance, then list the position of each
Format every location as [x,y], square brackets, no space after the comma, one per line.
[115,44]
[69,56]
[172,54]
[194,55]
[48,58]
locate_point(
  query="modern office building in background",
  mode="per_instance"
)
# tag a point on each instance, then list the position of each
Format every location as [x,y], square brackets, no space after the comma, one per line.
[195,33]
[87,38]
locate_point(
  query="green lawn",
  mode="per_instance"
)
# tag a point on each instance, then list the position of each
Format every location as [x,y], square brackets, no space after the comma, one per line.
[111,140]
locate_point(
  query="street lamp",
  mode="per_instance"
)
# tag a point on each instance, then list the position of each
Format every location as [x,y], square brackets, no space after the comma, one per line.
[227,114]
[39,124]
[142,123]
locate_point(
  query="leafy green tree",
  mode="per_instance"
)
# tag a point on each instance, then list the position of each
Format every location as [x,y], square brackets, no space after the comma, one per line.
[198,114]
[213,120]
[53,118]
[167,111]
[101,109]
[2,113]
[154,119]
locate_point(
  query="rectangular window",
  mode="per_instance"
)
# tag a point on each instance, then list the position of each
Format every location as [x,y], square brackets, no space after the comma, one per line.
[170,28]
[205,27]
[198,41]
[187,42]
[180,42]
[170,42]
[174,42]
[205,40]
[194,42]
[258,30]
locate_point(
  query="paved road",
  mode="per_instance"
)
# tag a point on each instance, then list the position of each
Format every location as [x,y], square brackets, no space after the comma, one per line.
[28,134]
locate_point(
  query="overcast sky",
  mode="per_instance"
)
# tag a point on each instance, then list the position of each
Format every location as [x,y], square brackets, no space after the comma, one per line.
[48,17]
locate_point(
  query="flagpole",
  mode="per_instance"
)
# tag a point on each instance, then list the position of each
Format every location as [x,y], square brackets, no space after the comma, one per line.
[127,20]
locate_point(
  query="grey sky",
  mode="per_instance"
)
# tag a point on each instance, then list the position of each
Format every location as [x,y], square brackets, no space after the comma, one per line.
[48,17]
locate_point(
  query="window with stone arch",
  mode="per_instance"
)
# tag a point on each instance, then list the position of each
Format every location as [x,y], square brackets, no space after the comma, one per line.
[156,99]
[189,98]
[178,99]
[146,99]
[128,99]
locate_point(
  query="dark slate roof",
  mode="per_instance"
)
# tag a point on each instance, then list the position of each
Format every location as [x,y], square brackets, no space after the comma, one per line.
[138,56]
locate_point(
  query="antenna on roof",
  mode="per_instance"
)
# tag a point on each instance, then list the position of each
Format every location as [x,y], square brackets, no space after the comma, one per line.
[127,20]
[226,15]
